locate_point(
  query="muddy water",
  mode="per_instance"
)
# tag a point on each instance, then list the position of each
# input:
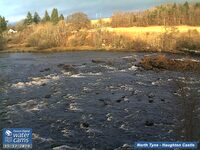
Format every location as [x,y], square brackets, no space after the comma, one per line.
[71,102]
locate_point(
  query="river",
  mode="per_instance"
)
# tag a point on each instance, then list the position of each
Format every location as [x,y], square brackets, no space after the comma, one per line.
[73,102]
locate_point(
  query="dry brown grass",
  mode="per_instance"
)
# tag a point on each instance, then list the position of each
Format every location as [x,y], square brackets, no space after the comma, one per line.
[161,62]
[48,35]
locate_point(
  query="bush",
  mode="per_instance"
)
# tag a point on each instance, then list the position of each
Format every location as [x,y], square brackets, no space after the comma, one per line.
[78,39]
[168,39]
[102,39]
[189,40]
[48,36]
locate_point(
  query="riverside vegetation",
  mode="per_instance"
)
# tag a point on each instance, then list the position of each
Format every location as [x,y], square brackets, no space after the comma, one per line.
[123,31]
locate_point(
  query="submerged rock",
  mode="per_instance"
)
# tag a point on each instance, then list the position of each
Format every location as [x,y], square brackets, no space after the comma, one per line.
[162,99]
[47,96]
[98,61]
[45,70]
[119,100]
[44,84]
[84,125]
[149,123]
[105,101]
[68,68]
[60,65]
[151,101]
[151,95]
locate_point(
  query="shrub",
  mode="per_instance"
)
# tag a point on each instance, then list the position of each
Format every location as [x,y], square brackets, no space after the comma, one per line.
[78,39]
[189,40]
[141,45]
[168,39]
[102,39]
[48,36]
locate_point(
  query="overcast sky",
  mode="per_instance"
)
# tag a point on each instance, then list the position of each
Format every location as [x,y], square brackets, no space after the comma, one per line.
[15,10]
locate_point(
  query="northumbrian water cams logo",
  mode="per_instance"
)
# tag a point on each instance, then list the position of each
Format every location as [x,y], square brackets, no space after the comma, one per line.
[17,138]
[8,133]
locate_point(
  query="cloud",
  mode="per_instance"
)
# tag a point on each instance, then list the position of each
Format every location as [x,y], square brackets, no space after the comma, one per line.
[15,10]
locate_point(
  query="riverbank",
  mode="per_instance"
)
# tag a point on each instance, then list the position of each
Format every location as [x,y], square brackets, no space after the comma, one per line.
[69,49]
[173,39]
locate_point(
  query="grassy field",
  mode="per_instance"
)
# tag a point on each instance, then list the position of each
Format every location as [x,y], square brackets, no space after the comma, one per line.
[139,31]
[149,33]
[151,29]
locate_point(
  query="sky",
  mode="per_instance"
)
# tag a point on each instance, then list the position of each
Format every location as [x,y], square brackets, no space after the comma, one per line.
[16,10]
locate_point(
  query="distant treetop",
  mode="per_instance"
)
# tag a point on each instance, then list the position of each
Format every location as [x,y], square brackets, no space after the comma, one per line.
[55,18]
[78,21]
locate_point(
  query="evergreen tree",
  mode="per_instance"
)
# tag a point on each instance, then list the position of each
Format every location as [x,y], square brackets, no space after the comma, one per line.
[29,19]
[54,16]
[36,18]
[46,17]
[61,17]
[3,24]
[186,5]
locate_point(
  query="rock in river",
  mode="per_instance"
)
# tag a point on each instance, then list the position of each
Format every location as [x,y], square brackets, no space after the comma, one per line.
[151,95]
[47,96]
[149,123]
[84,125]
[68,68]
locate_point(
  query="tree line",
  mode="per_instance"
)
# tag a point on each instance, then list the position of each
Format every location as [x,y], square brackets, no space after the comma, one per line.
[168,14]
[35,18]
[75,21]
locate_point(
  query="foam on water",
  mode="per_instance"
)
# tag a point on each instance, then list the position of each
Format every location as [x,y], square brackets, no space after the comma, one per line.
[74,107]
[185,59]
[38,137]
[36,81]
[77,76]
[133,68]
[108,67]
[29,106]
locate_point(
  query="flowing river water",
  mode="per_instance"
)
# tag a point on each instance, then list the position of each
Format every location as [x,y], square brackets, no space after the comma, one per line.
[72,102]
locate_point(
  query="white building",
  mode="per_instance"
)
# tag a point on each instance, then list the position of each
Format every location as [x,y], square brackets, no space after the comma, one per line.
[11,31]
